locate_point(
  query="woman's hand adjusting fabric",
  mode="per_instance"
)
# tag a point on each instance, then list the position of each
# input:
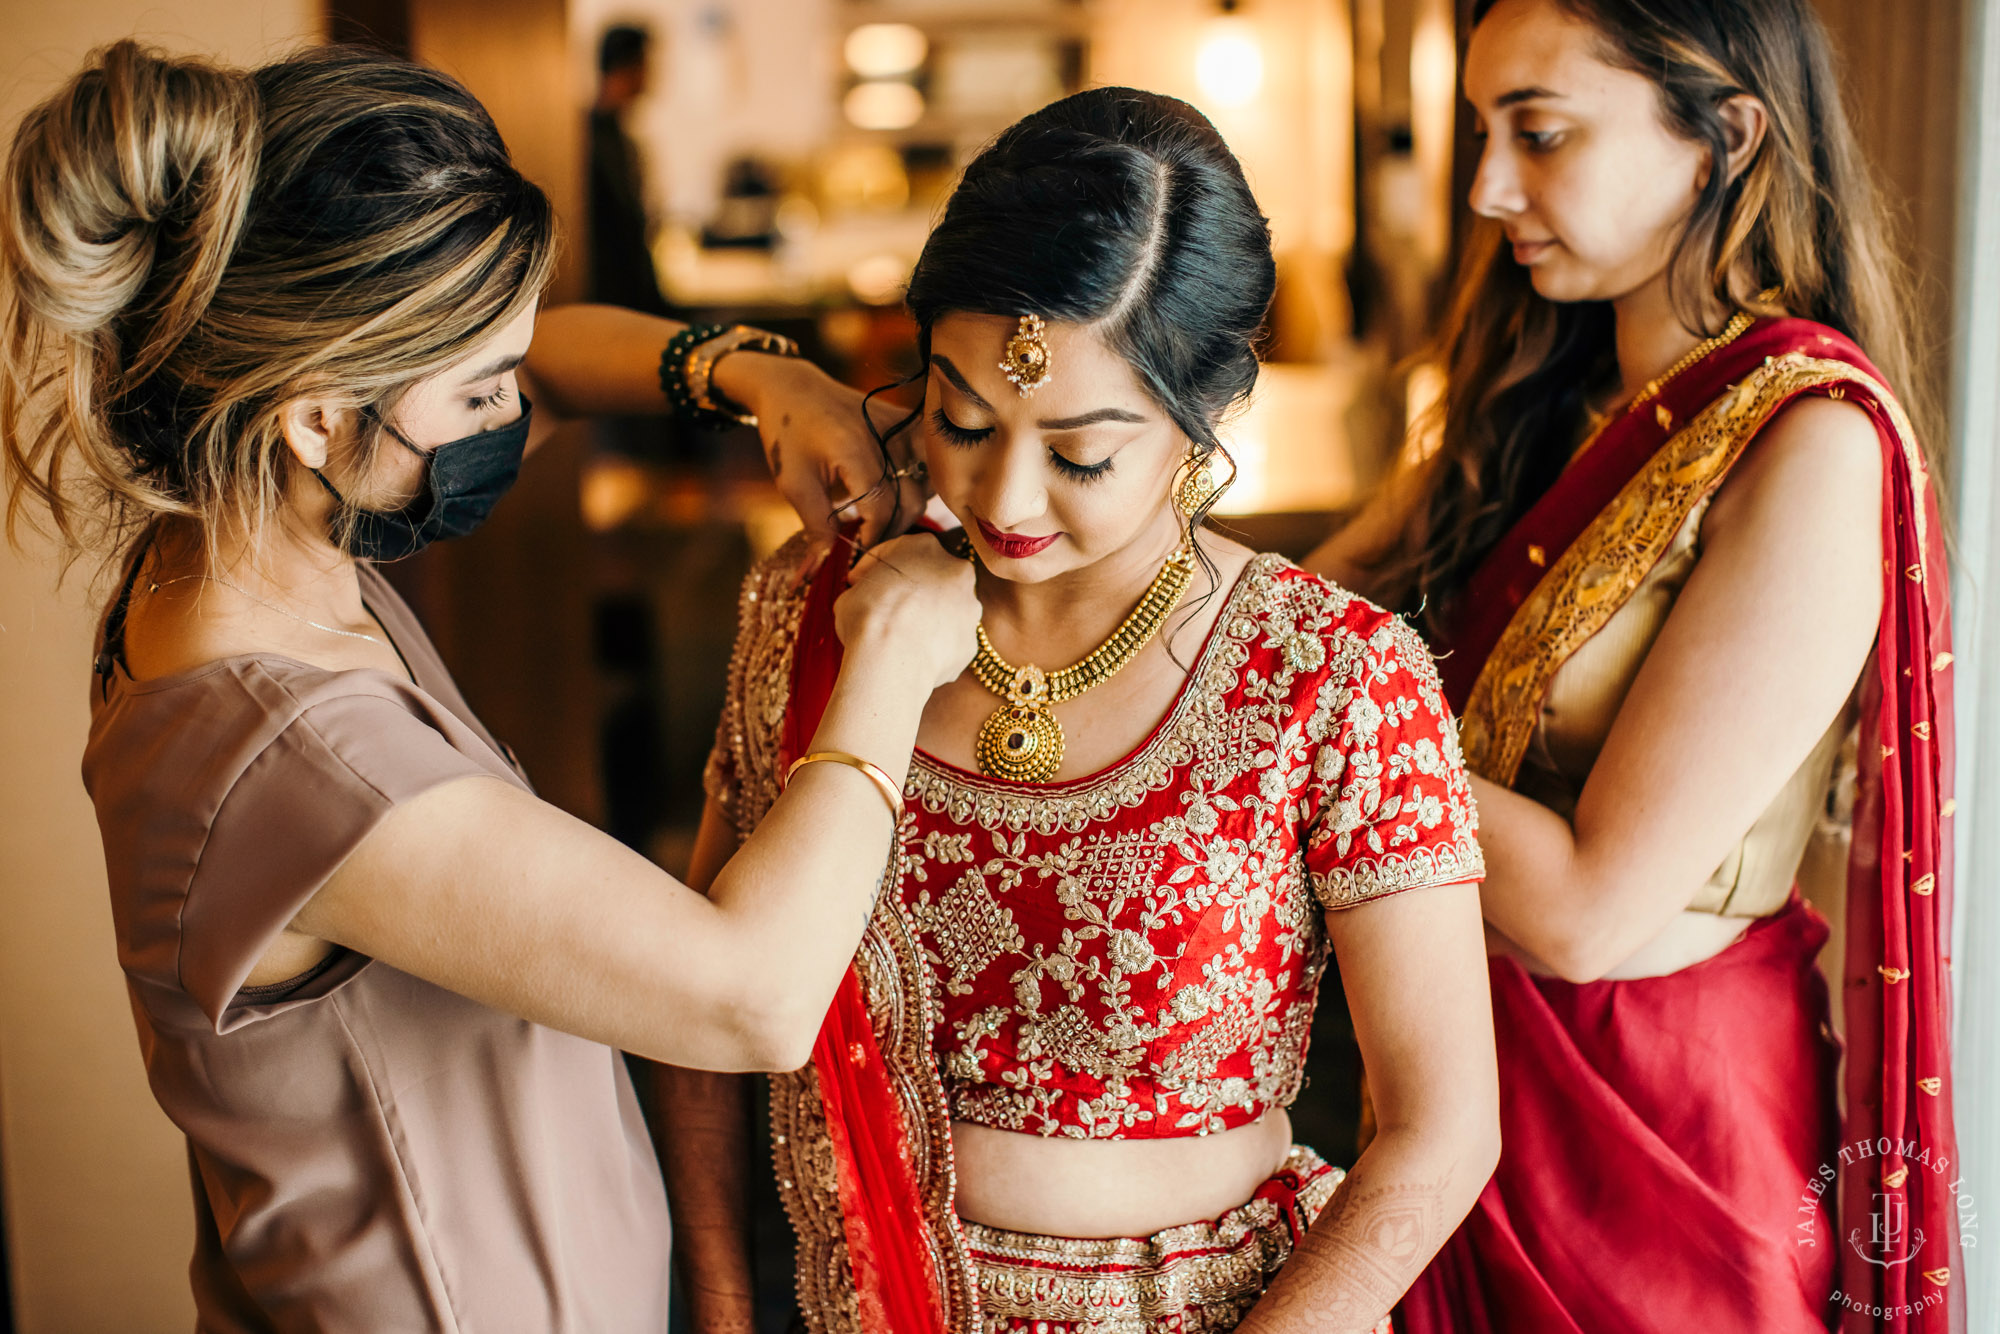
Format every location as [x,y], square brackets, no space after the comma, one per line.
[823,457]
[912,598]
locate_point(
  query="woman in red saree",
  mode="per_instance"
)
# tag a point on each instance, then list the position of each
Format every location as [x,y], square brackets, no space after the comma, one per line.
[1052,1095]
[1677,544]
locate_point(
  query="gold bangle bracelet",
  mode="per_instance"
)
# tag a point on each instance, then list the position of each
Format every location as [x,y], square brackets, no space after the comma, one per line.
[699,369]
[876,775]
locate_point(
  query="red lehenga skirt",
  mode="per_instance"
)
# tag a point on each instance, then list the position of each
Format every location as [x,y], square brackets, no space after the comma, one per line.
[1198,1278]
[1670,1123]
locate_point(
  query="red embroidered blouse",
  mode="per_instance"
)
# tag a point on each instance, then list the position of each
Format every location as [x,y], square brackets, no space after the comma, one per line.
[1135,954]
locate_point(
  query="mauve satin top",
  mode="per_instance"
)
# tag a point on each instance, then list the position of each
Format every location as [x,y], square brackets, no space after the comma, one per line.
[370,1152]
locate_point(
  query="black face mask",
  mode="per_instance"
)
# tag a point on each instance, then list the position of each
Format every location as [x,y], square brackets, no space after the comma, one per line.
[464,480]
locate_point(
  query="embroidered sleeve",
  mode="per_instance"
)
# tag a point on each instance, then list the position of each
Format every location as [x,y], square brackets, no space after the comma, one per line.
[1390,807]
[741,776]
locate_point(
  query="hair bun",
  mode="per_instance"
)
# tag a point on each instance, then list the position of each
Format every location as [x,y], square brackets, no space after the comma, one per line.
[126,192]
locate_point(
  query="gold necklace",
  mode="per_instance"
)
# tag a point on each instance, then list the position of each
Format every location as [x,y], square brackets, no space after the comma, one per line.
[1731,331]
[213,579]
[1022,742]
[1738,324]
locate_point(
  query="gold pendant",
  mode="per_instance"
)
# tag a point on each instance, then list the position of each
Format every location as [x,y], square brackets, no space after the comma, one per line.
[1020,744]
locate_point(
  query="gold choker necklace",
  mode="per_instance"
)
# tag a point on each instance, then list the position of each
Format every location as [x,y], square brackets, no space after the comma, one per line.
[1022,742]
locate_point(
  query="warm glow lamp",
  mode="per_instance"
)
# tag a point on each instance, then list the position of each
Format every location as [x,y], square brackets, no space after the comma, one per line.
[885,50]
[1230,65]
[883,104]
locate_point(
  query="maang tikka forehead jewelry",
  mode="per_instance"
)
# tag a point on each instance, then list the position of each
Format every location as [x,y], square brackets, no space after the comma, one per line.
[1027,356]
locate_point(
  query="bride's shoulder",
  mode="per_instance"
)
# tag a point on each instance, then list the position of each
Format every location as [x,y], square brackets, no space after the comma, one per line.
[1321,626]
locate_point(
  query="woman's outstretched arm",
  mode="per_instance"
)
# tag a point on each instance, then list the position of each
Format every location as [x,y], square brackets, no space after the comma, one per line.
[605,360]
[1414,969]
[485,890]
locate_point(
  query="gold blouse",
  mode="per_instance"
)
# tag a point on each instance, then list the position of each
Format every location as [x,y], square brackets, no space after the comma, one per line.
[1583,700]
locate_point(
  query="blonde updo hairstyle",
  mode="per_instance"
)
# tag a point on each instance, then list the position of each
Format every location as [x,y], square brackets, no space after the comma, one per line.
[186,248]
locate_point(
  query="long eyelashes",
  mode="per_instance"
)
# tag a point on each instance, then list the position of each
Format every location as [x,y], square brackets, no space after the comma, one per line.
[956,434]
[492,400]
[1082,472]
[953,433]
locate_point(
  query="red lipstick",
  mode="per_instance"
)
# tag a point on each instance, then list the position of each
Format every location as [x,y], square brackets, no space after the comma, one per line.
[1013,546]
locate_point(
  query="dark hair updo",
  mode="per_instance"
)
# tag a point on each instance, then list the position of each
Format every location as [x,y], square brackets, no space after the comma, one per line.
[1122,209]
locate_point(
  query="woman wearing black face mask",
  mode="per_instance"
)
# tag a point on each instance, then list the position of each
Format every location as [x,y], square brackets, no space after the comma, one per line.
[377,983]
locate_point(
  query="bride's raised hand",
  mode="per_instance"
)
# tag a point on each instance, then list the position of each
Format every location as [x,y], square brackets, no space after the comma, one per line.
[913,601]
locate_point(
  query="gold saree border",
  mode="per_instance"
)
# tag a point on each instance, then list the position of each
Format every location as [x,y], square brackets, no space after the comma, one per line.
[895,983]
[1603,568]
[888,967]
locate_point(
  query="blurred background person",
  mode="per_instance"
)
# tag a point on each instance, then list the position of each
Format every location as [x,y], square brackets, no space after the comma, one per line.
[621,257]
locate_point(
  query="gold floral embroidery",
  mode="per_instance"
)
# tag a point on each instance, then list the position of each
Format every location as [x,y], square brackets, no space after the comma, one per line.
[1588,583]
[1168,1048]
[1173,1045]
[743,777]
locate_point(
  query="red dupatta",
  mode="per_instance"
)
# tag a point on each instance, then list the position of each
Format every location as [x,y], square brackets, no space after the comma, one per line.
[892,1255]
[1569,563]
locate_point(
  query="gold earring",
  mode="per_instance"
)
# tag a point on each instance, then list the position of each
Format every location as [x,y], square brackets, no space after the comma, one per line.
[1027,356]
[1196,487]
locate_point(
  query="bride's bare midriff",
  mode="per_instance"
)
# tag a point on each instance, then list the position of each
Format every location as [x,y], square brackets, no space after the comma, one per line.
[1111,1188]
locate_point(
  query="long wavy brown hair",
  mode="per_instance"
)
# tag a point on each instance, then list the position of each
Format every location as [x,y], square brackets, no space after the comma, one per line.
[1802,220]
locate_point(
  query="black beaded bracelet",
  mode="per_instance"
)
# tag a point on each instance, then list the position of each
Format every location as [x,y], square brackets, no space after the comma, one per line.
[674,380]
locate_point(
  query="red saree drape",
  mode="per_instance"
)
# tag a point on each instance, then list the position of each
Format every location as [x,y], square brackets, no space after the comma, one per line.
[895,1278]
[1671,1158]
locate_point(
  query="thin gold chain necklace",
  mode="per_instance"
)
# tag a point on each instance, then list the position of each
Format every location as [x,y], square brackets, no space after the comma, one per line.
[1022,742]
[1731,331]
[282,611]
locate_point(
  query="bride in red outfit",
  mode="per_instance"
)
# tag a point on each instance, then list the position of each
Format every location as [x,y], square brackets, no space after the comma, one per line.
[1052,1093]
[1677,543]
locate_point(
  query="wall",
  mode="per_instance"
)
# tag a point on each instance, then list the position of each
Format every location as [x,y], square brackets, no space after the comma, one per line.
[1295,138]
[96,1189]
[1975,406]
[1901,66]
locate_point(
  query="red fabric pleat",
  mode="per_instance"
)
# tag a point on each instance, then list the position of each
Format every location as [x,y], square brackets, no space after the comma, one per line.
[1899,1156]
[895,1275]
[1656,1132]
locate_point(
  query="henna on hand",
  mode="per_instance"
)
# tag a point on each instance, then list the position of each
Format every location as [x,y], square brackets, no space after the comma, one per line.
[1357,1260]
